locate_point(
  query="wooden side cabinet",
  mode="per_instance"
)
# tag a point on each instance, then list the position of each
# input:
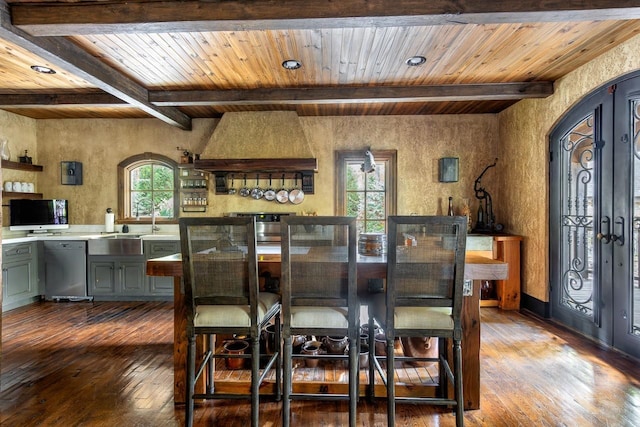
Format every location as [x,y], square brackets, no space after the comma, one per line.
[507,248]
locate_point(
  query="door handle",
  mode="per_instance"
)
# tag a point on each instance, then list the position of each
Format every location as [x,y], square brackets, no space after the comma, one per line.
[605,225]
[619,239]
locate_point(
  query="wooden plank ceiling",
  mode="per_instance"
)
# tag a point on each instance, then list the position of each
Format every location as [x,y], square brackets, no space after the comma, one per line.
[182,60]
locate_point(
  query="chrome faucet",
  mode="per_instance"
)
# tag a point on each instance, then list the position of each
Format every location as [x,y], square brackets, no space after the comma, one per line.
[154,227]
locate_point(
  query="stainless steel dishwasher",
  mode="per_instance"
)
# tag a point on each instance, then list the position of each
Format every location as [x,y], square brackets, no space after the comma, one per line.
[65,264]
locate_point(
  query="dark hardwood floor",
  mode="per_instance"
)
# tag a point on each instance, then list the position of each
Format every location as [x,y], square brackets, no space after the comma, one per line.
[110,364]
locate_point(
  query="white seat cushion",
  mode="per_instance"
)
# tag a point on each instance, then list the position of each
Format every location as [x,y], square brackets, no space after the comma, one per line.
[233,315]
[319,317]
[423,318]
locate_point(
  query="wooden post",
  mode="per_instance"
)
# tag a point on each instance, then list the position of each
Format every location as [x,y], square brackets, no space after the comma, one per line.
[507,249]
[180,343]
[471,339]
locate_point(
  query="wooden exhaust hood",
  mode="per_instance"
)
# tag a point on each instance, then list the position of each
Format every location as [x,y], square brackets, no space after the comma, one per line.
[251,143]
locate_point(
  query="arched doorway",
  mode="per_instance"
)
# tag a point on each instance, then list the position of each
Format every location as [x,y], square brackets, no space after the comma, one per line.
[595,216]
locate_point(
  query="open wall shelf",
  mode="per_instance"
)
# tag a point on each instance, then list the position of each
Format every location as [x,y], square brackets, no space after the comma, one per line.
[261,169]
[28,167]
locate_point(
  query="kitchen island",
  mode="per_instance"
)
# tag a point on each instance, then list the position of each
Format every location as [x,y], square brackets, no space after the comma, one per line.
[478,266]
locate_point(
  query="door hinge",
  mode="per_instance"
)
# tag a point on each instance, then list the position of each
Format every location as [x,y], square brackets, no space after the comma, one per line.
[550,156]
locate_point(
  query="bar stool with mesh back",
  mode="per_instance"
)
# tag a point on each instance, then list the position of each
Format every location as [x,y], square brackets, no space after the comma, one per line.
[319,296]
[424,299]
[220,270]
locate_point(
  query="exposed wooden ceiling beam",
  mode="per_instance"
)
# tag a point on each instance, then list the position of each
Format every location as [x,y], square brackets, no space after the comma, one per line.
[77,18]
[298,96]
[39,99]
[64,54]
[345,95]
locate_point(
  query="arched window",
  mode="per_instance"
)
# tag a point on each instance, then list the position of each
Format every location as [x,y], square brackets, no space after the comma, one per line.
[147,188]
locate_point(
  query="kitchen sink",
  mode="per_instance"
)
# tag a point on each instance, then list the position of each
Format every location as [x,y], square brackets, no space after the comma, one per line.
[116,245]
[160,237]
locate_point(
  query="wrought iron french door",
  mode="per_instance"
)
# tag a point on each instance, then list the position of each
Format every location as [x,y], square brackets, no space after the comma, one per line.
[595,217]
[626,211]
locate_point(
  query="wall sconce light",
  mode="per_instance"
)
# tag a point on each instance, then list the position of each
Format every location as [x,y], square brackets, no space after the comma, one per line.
[369,164]
[448,169]
[71,173]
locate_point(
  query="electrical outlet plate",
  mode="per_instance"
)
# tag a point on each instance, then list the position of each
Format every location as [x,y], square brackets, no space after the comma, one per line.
[467,289]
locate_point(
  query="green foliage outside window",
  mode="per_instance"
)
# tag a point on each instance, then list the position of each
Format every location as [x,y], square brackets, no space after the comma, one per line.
[152,187]
[367,197]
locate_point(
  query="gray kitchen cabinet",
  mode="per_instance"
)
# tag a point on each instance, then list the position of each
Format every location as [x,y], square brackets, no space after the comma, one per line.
[102,277]
[132,277]
[123,278]
[20,276]
[117,278]
[155,249]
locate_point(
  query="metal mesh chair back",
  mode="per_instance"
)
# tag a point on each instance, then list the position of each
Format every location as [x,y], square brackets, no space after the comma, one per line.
[426,261]
[317,255]
[219,260]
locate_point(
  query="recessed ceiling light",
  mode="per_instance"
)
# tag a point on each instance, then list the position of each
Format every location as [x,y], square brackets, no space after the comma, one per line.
[414,61]
[291,64]
[42,69]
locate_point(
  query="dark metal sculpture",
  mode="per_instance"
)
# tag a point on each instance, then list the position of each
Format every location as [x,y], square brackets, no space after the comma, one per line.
[486,219]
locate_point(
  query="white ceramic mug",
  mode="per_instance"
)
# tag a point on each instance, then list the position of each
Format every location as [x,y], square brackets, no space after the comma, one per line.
[8,186]
[31,188]
[24,187]
[17,187]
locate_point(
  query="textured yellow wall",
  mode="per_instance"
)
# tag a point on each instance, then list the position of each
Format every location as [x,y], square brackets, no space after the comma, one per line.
[420,142]
[101,144]
[20,132]
[523,150]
